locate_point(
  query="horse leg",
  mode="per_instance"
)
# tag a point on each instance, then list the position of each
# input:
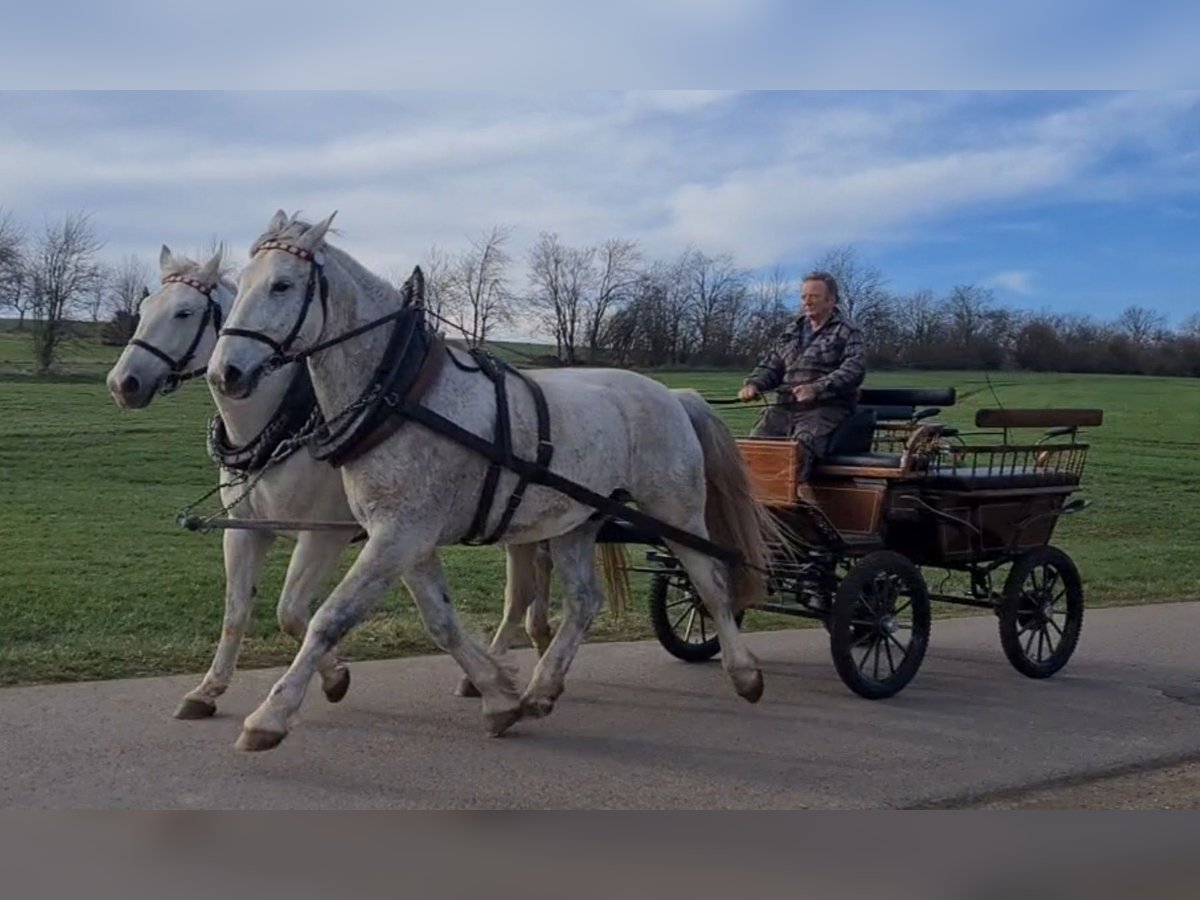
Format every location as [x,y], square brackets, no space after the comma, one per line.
[573,556]
[372,575]
[427,583]
[520,598]
[313,561]
[245,556]
[709,579]
[537,617]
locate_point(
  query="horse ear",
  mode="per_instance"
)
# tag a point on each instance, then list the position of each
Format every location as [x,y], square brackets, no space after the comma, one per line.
[164,257]
[312,238]
[417,292]
[278,221]
[212,269]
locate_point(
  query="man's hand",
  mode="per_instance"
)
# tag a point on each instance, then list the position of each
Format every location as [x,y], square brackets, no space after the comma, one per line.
[804,393]
[747,393]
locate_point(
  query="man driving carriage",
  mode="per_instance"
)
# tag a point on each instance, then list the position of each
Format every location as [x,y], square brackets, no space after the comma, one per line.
[816,368]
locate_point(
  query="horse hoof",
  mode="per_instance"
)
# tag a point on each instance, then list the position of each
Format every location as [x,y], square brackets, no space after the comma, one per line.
[336,691]
[751,689]
[195,708]
[537,707]
[255,740]
[499,722]
[466,688]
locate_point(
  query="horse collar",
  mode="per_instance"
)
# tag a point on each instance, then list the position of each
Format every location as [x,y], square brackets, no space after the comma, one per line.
[290,417]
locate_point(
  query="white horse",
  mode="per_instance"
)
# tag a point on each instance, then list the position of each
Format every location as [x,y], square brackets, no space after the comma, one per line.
[176,334]
[615,432]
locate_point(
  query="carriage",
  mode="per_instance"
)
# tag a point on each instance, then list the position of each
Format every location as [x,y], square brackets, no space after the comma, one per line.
[900,492]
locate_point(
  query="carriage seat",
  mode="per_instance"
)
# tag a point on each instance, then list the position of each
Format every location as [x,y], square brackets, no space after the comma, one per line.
[985,477]
[850,443]
[862,460]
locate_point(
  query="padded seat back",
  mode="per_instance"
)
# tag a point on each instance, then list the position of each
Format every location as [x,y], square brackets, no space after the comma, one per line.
[854,433]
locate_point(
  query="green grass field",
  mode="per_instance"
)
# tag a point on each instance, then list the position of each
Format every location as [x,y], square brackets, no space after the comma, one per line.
[98,581]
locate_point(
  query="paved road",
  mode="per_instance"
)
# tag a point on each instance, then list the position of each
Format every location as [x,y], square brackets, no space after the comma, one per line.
[635,728]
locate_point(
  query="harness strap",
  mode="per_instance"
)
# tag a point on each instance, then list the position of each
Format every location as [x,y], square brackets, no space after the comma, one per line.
[503,443]
[606,505]
[150,348]
[396,375]
[545,452]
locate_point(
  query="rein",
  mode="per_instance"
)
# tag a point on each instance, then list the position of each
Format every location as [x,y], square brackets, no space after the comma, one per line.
[177,372]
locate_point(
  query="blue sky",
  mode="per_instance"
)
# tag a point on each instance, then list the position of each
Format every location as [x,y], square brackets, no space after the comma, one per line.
[1071,202]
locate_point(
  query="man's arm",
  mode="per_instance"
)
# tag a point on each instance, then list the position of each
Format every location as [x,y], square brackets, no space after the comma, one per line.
[848,376]
[769,371]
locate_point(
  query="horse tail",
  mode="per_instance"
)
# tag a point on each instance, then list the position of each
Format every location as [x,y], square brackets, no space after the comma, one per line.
[613,562]
[614,568]
[734,517]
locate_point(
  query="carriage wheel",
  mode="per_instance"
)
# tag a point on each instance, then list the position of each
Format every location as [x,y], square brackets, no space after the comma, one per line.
[1041,613]
[880,625]
[681,623]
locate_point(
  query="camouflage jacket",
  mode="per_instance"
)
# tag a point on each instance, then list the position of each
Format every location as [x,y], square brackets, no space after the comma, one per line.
[832,359]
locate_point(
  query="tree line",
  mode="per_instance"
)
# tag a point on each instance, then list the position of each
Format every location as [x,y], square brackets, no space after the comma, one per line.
[607,303]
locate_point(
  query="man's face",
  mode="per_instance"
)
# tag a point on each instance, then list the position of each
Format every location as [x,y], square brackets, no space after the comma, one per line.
[815,299]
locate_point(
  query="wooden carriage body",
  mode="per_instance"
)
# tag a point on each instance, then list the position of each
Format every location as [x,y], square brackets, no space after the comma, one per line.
[923,489]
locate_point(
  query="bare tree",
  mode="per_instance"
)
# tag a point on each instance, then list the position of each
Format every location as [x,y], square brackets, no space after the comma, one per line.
[477,284]
[1190,327]
[919,319]
[130,284]
[715,289]
[128,287]
[617,262]
[768,314]
[1141,324]
[14,286]
[62,271]
[98,296]
[561,279]
[968,307]
[437,271]
[860,285]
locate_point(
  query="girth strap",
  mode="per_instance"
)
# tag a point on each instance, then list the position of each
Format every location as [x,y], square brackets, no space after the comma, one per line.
[504,458]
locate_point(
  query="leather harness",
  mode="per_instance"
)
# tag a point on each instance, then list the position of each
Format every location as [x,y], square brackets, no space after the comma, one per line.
[409,367]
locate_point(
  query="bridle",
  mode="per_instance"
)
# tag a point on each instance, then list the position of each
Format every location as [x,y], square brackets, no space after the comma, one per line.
[316,284]
[178,372]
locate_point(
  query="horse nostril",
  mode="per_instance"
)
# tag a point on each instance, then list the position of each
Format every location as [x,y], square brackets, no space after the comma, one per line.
[130,385]
[231,376]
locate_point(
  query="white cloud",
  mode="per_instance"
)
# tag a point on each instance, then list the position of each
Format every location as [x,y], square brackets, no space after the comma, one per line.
[1019,281]
[770,178]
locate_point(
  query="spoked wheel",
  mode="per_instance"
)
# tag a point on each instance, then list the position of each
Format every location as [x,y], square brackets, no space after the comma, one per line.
[880,625]
[681,623]
[1042,612]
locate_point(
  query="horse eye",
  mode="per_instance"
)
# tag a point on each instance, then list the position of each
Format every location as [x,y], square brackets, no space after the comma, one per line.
[183,314]
[280,286]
